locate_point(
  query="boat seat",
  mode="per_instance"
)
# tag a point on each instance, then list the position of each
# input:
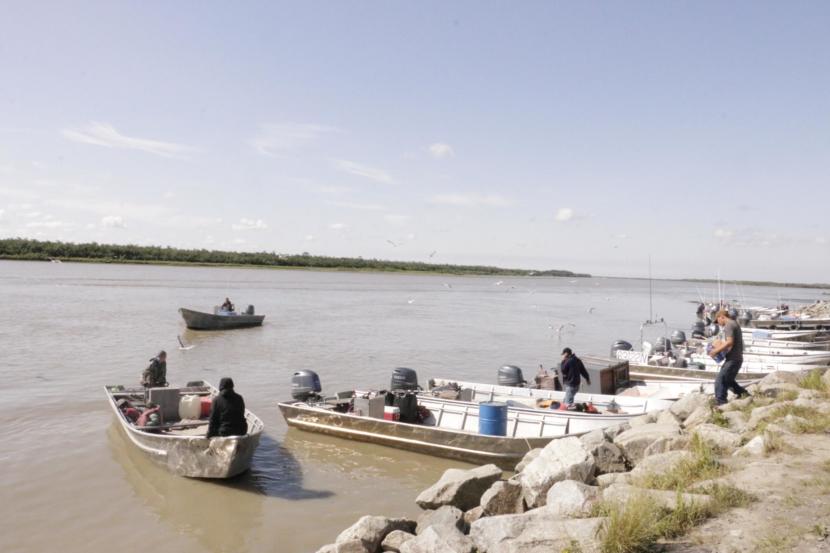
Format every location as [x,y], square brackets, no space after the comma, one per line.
[168,401]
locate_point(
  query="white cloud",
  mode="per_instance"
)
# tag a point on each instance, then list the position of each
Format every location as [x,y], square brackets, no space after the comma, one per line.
[104,134]
[396,219]
[469,200]
[337,226]
[113,221]
[366,207]
[440,150]
[278,139]
[378,175]
[249,224]
[724,233]
[309,237]
[45,224]
[564,214]
[819,239]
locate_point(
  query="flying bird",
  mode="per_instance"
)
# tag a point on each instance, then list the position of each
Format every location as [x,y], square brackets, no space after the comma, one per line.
[431,255]
[410,301]
[448,285]
[393,244]
[499,283]
[591,309]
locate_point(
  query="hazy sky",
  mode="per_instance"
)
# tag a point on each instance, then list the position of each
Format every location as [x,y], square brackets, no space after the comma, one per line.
[573,135]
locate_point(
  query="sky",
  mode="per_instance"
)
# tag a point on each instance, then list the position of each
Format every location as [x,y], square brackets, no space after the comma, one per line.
[587,136]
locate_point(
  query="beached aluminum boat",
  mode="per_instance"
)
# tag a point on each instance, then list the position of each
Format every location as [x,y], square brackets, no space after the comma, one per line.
[777,334]
[631,405]
[451,430]
[222,320]
[181,445]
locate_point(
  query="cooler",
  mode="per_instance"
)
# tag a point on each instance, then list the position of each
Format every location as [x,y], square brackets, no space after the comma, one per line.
[392,413]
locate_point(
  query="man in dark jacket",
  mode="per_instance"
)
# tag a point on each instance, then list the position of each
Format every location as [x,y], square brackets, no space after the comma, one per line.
[155,375]
[571,369]
[227,412]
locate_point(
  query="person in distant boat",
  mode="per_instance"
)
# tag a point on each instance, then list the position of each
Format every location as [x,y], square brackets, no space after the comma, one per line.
[227,412]
[155,375]
[228,305]
[571,369]
[733,345]
[701,310]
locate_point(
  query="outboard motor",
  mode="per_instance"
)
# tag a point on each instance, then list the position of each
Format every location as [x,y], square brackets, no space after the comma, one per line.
[404,379]
[732,313]
[712,330]
[678,337]
[304,385]
[620,345]
[744,318]
[663,345]
[699,329]
[511,375]
[250,310]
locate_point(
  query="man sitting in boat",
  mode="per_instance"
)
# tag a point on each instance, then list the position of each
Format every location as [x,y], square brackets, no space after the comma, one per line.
[155,375]
[227,412]
[228,306]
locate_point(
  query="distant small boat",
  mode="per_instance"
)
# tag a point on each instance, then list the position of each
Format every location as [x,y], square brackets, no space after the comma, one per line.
[221,320]
[181,445]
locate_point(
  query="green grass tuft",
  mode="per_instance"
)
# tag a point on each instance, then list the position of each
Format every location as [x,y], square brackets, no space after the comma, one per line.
[702,466]
[813,381]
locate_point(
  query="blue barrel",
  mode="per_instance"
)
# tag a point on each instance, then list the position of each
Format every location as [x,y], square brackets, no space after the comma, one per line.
[492,418]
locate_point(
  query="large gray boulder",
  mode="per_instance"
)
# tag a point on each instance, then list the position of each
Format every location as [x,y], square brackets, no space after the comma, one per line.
[459,488]
[667,417]
[394,540]
[648,418]
[443,516]
[777,383]
[433,540]
[605,480]
[473,515]
[503,498]
[529,456]
[609,458]
[612,432]
[686,405]
[667,444]
[753,448]
[719,437]
[736,419]
[701,415]
[765,413]
[594,438]
[660,463]
[562,459]
[368,533]
[536,531]
[621,493]
[569,498]
[634,442]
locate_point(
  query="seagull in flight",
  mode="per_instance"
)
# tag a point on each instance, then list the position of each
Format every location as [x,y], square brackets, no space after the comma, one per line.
[393,244]
[499,283]
[431,255]
[591,309]
[448,285]
[410,301]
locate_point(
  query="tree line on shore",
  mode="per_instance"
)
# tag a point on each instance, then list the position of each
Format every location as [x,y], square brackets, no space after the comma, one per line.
[38,250]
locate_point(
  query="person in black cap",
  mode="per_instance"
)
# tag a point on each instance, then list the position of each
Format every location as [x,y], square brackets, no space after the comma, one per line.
[227,412]
[571,369]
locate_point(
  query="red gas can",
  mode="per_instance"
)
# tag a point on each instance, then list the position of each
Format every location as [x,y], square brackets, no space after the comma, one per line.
[206,401]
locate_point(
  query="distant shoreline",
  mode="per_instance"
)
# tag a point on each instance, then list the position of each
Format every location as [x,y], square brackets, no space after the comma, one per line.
[21,249]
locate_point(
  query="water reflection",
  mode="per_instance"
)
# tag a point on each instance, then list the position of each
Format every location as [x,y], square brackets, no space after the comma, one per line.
[362,461]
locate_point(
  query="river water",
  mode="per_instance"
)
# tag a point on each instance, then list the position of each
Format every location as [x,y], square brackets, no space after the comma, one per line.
[72,483]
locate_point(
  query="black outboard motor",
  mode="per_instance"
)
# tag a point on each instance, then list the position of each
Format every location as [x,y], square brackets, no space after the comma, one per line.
[732,313]
[744,318]
[511,375]
[404,379]
[712,330]
[662,345]
[678,337]
[250,310]
[620,345]
[699,330]
[304,385]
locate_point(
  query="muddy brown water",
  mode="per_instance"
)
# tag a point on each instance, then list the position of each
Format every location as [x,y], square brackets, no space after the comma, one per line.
[71,482]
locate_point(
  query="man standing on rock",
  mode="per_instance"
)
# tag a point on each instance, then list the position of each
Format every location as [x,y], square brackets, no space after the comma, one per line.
[571,369]
[733,345]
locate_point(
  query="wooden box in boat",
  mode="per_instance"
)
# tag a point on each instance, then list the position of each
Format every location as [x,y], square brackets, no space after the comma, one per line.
[452,429]
[181,446]
[197,320]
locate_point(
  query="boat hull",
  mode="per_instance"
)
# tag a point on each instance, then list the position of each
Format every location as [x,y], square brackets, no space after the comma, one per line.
[197,320]
[460,444]
[194,456]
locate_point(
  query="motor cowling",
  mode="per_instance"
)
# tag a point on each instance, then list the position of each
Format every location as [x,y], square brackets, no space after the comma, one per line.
[511,375]
[712,330]
[744,318]
[305,384]
[678,337]
[620,345]
[662,345]
[250,310]
[404,379]
[732,313]
[699,329]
